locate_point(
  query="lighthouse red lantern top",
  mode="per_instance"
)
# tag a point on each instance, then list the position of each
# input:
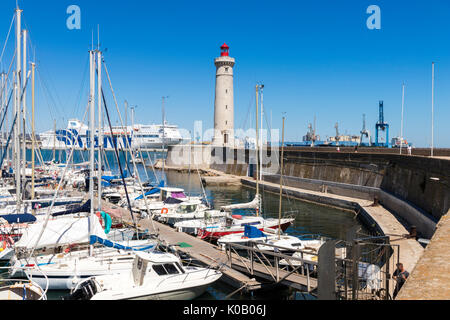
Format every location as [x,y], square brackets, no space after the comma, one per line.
[225,50]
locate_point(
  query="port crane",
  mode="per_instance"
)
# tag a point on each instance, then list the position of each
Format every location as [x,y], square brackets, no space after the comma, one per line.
[365,133]
[338,136]
[381,126]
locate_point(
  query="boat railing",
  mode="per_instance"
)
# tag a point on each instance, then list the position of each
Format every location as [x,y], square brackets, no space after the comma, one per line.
[268,261]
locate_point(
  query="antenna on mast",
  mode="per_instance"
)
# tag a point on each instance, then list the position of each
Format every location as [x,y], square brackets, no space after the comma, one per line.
[98,37]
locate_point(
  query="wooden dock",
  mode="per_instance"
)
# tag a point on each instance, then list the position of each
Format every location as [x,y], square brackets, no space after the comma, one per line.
[238,275]
[200,250]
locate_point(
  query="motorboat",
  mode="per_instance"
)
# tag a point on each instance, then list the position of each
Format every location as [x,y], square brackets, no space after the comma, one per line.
[189,210]
[251,235]
[64,270]
[288,244]
[153,276]
[236,225]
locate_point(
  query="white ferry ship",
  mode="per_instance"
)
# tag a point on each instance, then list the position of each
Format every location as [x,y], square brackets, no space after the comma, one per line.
[139,136]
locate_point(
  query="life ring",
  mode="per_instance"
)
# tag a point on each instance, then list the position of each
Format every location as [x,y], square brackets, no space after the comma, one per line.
[164,211]
[105,220]
[244,237]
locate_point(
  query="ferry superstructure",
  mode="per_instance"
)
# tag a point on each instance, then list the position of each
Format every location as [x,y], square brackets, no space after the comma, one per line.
[139,136]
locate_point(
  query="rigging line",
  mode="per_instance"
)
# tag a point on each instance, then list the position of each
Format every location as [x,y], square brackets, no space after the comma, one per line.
[83,82]
[48,96]
[53,201]
[45,71]
[6,41]
[129,147]
[9,138]
[7,75]
[6,109]
[46,87]
[118,160]
[153,168]
[55,197]
[250,106]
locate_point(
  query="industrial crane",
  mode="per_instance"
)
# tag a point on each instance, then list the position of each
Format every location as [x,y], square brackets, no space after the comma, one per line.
[365,133]
[338,137]
[381,126]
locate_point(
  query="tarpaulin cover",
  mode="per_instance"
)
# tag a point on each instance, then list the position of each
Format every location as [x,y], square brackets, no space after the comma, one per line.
[19,218]
[110,244]
[61,231]
[253,232]
[172,201]
[86,207]
[152,191]
[110,178]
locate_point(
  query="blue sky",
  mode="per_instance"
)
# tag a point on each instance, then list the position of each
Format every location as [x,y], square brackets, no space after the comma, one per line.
[315,58]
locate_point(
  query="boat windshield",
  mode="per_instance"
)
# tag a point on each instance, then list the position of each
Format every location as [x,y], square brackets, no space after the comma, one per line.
[164,269]
[186,208]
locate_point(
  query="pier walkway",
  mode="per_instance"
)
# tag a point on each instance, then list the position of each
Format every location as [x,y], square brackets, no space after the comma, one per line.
[430,278]
[211,255]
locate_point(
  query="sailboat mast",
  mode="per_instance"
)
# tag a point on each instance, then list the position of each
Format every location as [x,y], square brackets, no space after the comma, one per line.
[2,104]
[164,133]
[17,91]
[403,106]
[261,134]
[24,107]
[33,67]
[100,129]
[281,182]
[54,141]
[256,148]
[92,128]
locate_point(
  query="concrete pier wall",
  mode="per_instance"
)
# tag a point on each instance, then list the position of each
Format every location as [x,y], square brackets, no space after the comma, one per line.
[417,189]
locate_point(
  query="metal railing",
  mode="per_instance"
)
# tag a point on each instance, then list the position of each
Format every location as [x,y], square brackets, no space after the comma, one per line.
[268,262]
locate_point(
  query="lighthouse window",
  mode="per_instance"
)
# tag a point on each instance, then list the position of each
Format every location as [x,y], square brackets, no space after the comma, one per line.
[226,107]
[226,69]
[226,91]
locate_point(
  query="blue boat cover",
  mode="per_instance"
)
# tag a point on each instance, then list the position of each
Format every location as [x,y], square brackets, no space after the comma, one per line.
[110,244]
[110,178]
[152,191]
[19,218]
[86,207]
[253,232]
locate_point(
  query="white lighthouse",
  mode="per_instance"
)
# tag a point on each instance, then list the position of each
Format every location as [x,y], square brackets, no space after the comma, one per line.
[224,102]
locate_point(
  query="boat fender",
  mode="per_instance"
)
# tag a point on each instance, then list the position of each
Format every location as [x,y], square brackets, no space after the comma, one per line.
[164,211]
[105,220]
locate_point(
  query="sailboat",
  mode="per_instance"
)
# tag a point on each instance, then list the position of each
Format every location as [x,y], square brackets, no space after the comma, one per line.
[235,224]
[283,242]
[63,270]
